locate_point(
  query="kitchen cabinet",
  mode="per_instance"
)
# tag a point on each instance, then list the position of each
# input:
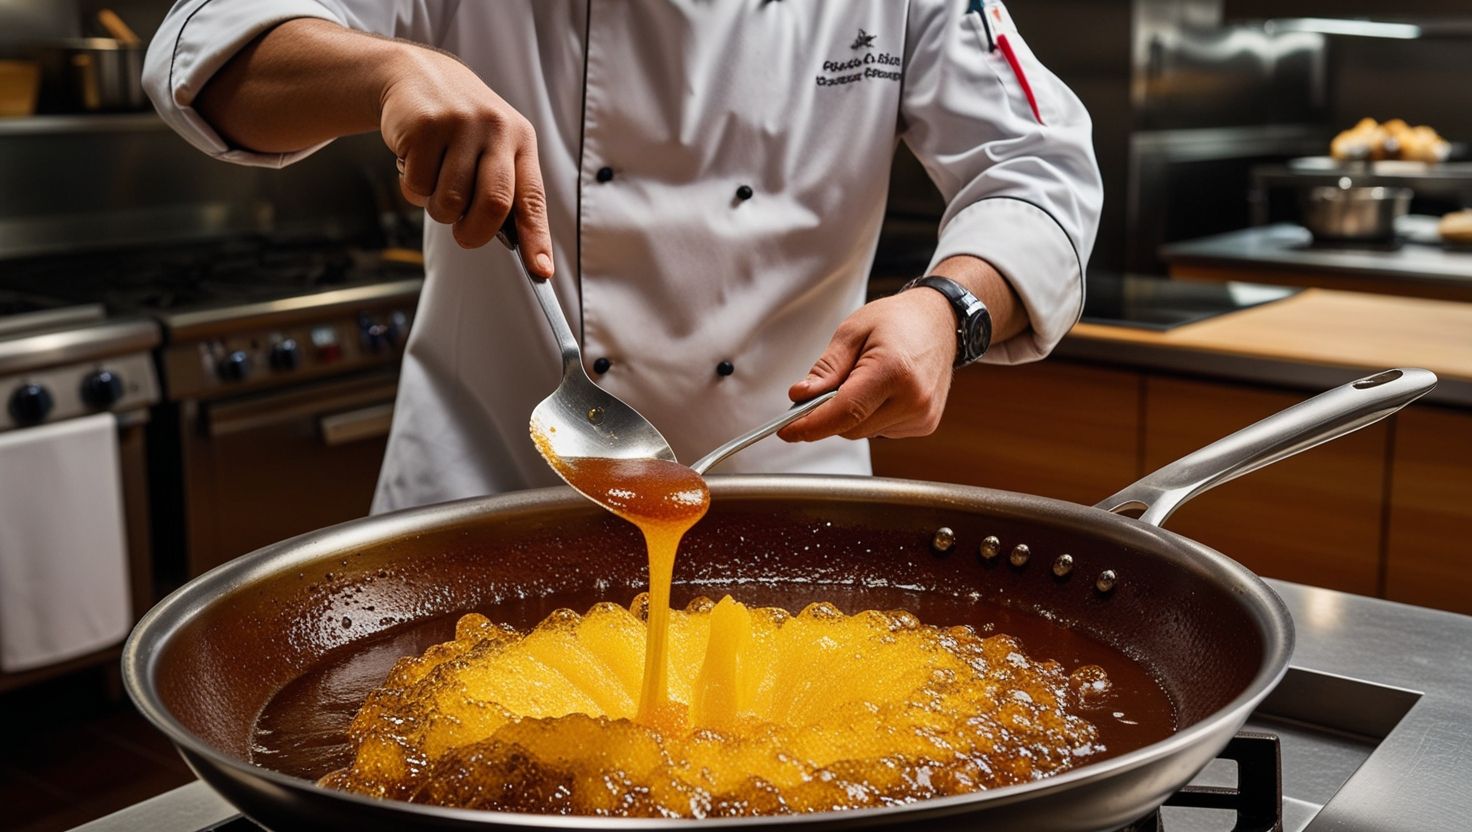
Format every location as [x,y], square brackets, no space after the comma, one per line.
[1427,559]
[1064,430]
[1315,518]
[1079,432]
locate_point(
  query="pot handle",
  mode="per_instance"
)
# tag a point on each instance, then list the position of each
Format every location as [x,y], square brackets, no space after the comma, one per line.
[1326,416]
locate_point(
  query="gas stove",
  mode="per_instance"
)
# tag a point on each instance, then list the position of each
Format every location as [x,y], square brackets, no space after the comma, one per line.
[236,314]
[60,361]
[168,280]
[27,312]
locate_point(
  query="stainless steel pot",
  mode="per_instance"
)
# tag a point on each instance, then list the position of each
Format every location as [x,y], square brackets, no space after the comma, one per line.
[203,663]
[1349,213]
[91,75]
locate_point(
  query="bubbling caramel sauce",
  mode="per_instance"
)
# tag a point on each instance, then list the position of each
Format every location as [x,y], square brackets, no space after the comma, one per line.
[717,710]
[771,713]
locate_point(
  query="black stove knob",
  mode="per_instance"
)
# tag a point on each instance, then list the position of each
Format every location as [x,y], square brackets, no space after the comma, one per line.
[377,337]
[235,366]
[30,404]
[102,389]
[285,355]
[398,328]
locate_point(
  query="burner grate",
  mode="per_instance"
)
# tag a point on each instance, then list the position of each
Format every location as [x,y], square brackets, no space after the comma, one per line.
[1257,800]
[236,271]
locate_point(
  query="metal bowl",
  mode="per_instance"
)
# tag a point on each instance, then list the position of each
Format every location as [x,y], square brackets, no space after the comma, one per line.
[91,75]
[1350,213]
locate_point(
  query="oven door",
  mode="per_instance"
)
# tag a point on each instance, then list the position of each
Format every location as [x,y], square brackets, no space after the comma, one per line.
[265,467]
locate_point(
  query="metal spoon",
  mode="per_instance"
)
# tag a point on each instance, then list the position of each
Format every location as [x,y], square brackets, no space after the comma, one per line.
[746,440]
[581,419]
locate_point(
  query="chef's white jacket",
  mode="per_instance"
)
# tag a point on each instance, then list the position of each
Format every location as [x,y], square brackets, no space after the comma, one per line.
[663,269]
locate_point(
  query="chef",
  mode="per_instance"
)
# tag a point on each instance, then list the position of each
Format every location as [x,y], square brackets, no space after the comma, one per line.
[702,180]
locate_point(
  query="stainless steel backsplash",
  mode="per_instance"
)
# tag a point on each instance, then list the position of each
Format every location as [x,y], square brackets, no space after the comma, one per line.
[107,182]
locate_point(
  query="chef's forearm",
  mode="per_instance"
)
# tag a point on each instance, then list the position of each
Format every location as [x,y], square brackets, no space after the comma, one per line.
[1008,316]
[302,83]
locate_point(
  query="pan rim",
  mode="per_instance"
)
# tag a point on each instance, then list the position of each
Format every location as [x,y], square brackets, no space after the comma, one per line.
[142,648]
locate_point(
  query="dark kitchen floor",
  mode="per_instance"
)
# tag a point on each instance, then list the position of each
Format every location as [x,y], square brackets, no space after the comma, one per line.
[73,749]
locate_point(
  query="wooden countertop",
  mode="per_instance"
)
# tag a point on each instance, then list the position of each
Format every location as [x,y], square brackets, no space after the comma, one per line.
[1325,329]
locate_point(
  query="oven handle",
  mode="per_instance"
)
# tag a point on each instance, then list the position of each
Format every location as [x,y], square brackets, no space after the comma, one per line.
[317,404]
[370,422]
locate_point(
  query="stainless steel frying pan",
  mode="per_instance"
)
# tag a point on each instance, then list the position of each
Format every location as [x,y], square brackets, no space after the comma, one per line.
[203,663]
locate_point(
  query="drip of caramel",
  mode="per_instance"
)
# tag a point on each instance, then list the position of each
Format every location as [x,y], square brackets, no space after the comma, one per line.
[664,499]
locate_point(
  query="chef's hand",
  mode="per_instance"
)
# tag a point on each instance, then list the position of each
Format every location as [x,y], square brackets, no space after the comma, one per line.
[893,358]
[466,156]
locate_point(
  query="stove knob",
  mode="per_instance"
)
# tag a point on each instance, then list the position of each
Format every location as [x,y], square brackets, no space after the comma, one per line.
[285,355]
[235,366]
[102,389]
[398,328]
[377,337]
[30,404]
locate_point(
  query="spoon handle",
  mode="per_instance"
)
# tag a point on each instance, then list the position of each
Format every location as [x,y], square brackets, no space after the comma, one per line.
[567,343]
[750,438]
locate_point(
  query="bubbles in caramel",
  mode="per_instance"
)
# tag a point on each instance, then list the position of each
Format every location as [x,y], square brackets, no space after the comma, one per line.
[767,713]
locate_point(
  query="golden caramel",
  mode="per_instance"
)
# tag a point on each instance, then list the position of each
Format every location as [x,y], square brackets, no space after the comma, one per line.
[767,713]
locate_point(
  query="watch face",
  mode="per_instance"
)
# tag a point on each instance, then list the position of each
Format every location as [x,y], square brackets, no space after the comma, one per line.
[971,329]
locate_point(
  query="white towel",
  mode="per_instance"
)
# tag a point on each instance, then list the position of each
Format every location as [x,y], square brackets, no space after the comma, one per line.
[63,549]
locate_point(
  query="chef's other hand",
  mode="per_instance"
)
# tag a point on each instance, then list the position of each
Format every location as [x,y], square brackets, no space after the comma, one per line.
[466,156]
[893,358]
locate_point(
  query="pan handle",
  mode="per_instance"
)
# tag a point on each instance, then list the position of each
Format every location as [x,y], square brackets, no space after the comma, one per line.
[1326,416]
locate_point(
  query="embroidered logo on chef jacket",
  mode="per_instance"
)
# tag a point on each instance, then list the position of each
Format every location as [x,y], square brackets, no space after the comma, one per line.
[872,65]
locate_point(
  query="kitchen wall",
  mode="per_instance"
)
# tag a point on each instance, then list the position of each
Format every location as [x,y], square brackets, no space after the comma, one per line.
[73,183]
[1422,81]
[1419,80]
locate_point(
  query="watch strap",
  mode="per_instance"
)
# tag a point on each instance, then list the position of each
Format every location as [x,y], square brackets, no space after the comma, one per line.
[973,319]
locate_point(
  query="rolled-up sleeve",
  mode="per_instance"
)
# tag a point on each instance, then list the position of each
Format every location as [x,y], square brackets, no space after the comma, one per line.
[1022,189]
[198,37]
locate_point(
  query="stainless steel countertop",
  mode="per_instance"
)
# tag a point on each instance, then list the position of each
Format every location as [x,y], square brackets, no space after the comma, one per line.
[1289,246]
[1418,777]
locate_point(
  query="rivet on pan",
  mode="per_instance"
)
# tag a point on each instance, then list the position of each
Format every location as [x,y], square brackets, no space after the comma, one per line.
[1063,565]
[990,547]
[1106,581]
[595,415]
[1020,554]
[944,539]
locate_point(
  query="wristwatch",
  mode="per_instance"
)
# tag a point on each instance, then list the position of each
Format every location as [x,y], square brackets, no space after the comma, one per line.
[973,321]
